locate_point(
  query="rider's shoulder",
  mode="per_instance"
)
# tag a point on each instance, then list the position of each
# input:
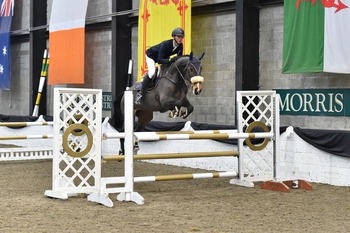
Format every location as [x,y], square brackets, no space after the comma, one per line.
[167,42]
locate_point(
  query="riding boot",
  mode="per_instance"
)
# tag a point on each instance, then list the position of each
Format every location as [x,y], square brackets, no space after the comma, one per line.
[145,83]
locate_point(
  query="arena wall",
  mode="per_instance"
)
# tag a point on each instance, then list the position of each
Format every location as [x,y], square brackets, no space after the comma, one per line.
[298,159]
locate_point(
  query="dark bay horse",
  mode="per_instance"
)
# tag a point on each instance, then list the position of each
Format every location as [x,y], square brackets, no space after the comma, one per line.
[168,92]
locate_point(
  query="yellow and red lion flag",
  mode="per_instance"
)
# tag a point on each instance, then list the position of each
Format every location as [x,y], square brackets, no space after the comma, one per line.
[67,41]
[157,19]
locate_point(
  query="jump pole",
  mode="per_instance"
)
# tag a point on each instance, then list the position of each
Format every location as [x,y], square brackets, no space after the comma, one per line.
[23,124]
[122,135]
[184,176]
[26,137]
[141,179]
[151,136]
[172,155]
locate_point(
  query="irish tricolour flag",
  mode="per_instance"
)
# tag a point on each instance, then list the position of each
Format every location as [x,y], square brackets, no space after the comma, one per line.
[316,36]
[67,41]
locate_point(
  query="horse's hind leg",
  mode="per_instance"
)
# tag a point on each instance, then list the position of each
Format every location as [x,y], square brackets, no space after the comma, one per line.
[144,117]
[122,140]
[122,148]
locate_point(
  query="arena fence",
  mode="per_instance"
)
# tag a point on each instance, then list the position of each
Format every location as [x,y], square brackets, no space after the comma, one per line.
[14,152]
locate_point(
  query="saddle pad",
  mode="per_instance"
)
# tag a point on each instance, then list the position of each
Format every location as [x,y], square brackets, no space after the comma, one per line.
[138,87]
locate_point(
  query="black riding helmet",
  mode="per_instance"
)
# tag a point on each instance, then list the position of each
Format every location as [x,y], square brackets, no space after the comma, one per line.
[178,32]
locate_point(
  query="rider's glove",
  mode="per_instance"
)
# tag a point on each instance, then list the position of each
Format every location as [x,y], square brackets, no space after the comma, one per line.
[173,59]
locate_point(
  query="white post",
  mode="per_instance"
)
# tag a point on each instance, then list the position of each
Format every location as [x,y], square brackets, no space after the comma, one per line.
[129,194]
[277,149]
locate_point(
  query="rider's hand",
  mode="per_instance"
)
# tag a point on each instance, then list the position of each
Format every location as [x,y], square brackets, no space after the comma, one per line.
[173,59]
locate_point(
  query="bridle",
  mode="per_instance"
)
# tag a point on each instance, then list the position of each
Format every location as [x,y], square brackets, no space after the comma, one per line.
[189,83]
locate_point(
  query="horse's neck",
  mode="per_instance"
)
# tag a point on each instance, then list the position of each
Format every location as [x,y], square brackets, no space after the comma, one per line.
[173,69]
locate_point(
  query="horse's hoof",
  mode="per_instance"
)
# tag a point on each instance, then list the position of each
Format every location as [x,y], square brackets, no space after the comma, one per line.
[121,152]
[136,149]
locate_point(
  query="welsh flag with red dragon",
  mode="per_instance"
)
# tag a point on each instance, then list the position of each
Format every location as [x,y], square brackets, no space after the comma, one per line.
[316,36]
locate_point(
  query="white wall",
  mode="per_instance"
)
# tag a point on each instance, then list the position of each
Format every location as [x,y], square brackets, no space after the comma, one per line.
[308,162]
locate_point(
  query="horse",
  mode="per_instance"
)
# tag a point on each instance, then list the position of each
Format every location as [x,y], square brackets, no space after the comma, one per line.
[168,92]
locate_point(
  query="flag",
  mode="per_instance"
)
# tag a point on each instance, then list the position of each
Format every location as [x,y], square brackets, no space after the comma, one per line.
[316,36]
[67,41]
[157,19]
[6,14]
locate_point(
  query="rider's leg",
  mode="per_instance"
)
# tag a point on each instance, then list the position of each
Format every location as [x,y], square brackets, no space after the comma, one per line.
[146,79]
[145,84]
[151,65]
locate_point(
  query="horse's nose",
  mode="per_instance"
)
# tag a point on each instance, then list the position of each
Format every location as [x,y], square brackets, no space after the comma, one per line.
[197,88]
[197,91]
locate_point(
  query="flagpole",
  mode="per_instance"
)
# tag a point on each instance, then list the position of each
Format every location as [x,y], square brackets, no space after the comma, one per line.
[44,67]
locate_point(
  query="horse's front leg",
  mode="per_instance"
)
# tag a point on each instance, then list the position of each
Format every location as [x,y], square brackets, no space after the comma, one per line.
[176,108]
[175,112]
[189,109]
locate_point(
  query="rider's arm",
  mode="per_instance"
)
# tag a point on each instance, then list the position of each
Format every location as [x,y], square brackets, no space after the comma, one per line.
[164,53]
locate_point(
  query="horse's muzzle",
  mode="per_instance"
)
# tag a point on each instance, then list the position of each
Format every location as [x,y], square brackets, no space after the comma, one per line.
[197,84]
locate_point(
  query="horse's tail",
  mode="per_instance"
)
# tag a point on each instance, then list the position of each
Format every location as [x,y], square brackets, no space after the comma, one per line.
[117,120]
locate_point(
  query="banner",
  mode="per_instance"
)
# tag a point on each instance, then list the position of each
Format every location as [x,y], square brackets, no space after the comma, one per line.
[67,41]
[314,102]
[316,34]
[6,14]
[157,19]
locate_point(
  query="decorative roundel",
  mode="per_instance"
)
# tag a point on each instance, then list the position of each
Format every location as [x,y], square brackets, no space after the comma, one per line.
[250,128]
[78,117]
[70,130]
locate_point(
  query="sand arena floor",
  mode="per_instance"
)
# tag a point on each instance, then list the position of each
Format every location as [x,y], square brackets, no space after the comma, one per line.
[201,205]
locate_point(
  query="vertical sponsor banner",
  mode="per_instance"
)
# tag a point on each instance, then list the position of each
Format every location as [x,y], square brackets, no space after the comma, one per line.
[315,37]
[6,14]
[157,19]
[67,41]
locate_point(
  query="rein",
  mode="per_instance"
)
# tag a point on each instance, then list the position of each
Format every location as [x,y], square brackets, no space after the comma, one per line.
[186,70]
[187,82]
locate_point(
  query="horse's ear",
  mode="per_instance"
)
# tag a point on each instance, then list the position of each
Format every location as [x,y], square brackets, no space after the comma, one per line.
[191,55]
[201,56]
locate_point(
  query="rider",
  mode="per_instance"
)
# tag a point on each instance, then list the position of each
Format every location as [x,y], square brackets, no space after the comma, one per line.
[160,53]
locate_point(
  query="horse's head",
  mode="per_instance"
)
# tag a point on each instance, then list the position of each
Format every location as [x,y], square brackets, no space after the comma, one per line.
[192,71]
[195,69]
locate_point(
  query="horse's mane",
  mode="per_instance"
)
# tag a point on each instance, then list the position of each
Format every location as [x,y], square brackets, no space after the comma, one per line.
[167,65]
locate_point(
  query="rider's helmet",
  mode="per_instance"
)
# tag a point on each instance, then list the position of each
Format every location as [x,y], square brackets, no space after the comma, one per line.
[178,32]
